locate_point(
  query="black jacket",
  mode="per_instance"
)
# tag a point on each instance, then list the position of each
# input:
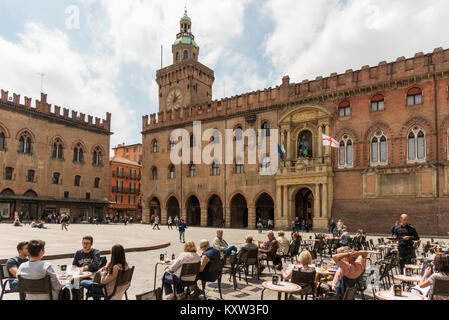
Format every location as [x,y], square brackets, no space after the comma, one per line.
[91,259]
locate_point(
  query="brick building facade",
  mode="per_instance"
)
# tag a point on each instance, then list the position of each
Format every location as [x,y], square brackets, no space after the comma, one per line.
[125,176]
[391,121]
[52,162]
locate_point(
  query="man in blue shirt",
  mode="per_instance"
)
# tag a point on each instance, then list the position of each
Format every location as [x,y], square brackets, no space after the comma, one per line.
[13,264]
[209,254]
[182,229]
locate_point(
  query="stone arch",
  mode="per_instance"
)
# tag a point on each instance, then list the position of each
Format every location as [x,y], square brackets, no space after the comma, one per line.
[264,206]
[5,130]
[235,193]
[53,139]
[239,211]
[172,195]
[154,204]
[8,192]
[193,211]
[369,133]
[95,146]
[26,130]
[173,207]
[75,143]
[215,215]
[31,193]
[304,203]
[305,108]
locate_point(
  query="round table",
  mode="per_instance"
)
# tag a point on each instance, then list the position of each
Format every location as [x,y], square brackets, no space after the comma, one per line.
[413,267]
[388,295]
[403,278]
[282,287]
[327,272]
[74,276]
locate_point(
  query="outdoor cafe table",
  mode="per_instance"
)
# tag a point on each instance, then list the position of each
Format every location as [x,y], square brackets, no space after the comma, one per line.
[413,267]
[388,295]
[327,272]
[411,279]
[69,278]
[160,263]
[282,287]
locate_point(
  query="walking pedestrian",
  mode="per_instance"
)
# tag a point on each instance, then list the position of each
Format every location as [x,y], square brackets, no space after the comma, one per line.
[182,230]
[169,223]
[156,223]
[64,221]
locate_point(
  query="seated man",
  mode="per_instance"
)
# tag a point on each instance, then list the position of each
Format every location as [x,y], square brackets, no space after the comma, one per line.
[221,245]
[38,269]
[270,252]
[351,266]
[248,246]
[209,254]
[344,238]
[40,225]
[88,259]
[13,264]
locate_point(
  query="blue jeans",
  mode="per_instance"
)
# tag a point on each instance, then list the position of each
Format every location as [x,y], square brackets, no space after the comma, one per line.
[87,284]
[14,285]
[232,250]
[168,279]
[182,236]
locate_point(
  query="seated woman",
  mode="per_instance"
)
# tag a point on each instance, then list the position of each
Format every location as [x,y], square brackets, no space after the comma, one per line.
[283,244]
[173,272]
[441,264]
[305,258]
[296,240]
[108,274]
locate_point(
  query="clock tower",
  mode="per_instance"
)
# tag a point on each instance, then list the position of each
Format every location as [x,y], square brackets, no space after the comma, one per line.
[187,81]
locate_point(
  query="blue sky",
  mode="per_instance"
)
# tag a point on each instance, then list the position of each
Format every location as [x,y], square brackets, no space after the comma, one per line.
[108,62]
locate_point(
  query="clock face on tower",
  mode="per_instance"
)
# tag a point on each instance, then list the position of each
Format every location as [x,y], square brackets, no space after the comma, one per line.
[174,99]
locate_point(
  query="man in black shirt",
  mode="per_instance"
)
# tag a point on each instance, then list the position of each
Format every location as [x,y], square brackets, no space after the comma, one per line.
[406,234]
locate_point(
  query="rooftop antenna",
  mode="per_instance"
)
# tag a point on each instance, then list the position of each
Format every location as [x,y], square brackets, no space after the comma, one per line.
[42,80]
[162,55]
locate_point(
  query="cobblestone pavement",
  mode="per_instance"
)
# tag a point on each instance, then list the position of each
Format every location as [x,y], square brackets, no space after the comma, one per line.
[132,235]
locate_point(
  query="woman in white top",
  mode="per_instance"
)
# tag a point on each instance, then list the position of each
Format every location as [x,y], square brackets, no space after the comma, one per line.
[441,264]
[173,273]
[283,244]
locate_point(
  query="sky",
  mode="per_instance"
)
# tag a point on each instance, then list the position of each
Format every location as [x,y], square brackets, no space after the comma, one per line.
[101,56]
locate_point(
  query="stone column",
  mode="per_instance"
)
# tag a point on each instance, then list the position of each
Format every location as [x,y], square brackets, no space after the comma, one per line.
[145,215]
[203,213]
[325,202]
[163,215]
[251,217]
[320,141]
[317,207]
[227,214]
[285,208]
[278,209]
[290,154]
[327,133]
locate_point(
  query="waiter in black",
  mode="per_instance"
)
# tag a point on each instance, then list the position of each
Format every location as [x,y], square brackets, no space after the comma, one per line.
[406,234]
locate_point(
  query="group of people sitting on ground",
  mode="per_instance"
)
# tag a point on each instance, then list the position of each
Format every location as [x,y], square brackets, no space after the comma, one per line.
[28,265]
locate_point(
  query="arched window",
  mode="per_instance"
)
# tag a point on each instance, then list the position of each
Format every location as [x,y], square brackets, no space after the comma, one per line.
[25,143]
[172,144]
[2,141]
[154,173]
[239,169]
[377,103]
[344,109]
[215,169]
[8,173]
[56,152]
[346,153]
[416,145]
[379,149]
[78,153]
[216,137]
[172,172]
[186,54]
[97,157]
[192,141]
[414,96]
[266,129]
[238,134]
[192,171]
[77,181]
[177,56]
[155,146]
[56,177]
[265,165]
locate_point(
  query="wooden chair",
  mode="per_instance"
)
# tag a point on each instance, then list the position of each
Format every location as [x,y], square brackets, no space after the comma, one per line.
[306,280]
[216,266]
[5,279]
[124,278]
[440,289]
[35,286]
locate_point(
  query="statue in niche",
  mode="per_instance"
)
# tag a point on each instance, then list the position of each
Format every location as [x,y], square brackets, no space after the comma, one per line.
[304,146]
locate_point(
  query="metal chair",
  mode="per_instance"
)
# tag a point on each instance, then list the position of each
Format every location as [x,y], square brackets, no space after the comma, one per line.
[152,295]
[292,253]
[5,279]
[247,259]
[188,276]
[124,278]
[305,280]
[35,286]
[216,266]
[350,293]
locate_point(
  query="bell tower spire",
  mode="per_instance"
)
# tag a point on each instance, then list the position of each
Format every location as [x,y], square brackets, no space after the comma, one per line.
[185,46]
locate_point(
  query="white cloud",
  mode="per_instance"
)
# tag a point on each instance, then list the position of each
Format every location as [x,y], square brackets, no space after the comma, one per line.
[317,38]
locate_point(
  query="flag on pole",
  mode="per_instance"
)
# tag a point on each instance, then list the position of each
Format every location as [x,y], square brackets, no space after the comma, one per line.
[281,152]
[328,141]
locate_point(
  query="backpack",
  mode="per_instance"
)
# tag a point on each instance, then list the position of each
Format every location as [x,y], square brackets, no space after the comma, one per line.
[65,293]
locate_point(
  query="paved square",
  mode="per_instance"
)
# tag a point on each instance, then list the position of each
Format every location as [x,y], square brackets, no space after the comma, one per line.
[136,235]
